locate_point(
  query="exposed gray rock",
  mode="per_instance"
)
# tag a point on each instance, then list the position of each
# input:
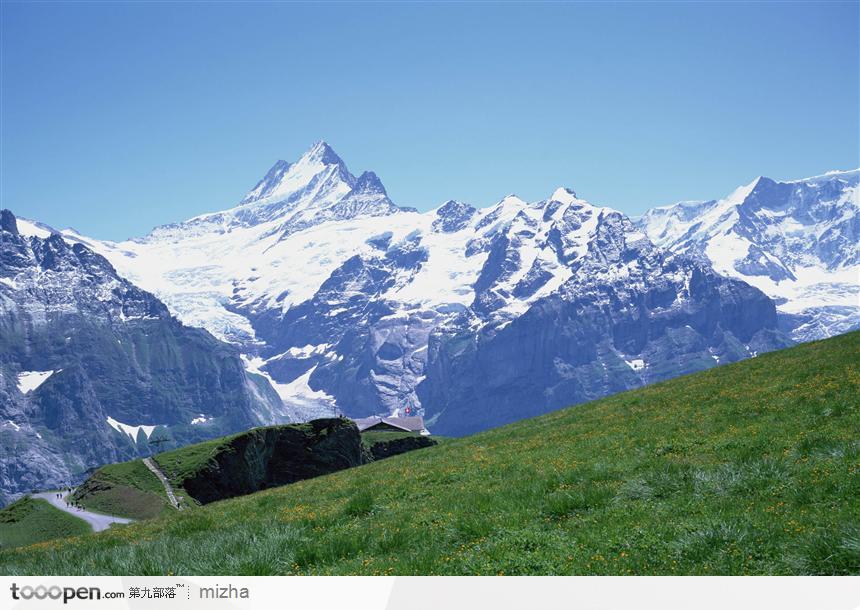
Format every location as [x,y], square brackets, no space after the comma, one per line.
[99,348]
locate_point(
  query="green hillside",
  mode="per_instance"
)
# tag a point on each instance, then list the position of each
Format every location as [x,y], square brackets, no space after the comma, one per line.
[33,520]
[130,489]
[181,465]
[127,489]
[238,464]
[750,468]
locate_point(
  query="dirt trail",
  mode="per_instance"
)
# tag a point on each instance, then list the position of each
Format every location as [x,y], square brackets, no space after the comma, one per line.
[157,472]
[98,521]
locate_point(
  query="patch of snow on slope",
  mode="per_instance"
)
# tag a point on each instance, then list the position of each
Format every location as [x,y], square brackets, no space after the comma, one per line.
[446,278]
[300,389]
[308,350]
[30,380]
[132,431]
[637,364]
[814,287]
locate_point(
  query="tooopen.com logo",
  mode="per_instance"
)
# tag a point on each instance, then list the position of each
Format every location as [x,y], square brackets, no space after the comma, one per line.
[61,593]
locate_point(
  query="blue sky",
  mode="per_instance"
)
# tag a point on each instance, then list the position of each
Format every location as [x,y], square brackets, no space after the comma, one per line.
[120,117]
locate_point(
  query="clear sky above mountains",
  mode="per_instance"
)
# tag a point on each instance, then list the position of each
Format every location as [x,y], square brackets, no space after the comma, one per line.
[117,118]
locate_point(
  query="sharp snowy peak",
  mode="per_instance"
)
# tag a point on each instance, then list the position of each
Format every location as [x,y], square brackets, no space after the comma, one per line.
[798,241]
[346,302]
[319,175]
[209,265]
[315,189]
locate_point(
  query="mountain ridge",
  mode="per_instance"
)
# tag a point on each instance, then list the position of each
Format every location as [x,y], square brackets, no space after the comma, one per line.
[795,240]
[343,299]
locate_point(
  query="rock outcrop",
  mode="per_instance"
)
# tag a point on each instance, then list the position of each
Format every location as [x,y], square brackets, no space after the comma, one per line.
[274,456]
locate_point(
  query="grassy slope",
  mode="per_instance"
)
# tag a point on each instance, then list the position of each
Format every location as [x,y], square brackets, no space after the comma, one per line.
[127,489]
[368,439]
[746,468]
[33,520]
[371,437]
[130,490]
[179,464]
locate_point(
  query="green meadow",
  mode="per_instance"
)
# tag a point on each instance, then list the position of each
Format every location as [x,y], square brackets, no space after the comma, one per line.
[32,520]
[127,489]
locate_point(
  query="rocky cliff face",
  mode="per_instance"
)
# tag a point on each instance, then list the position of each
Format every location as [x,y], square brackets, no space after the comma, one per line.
[93,368]
[591,340]
[269,457]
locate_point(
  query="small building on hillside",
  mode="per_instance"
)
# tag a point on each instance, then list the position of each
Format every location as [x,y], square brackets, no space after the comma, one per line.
[392,424]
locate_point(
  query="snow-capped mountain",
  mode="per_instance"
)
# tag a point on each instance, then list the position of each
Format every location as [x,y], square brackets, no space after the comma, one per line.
[345,301]
[92,368]
[797,241]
